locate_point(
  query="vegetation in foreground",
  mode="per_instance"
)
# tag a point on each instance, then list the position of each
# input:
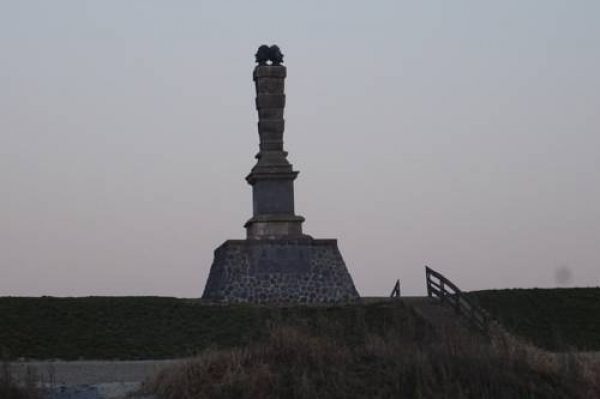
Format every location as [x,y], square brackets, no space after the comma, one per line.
[120,327]
[159,327]
[11,389]
[400,362]
[374,350]
[155,328]
[559,319]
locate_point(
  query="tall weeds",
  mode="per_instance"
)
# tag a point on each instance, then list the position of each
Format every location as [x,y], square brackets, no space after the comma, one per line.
[300,360]
[11,389]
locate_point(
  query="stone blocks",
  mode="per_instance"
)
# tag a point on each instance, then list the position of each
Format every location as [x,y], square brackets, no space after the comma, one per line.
[301,270]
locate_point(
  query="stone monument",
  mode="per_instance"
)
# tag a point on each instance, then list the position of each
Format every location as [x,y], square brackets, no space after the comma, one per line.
[276,262]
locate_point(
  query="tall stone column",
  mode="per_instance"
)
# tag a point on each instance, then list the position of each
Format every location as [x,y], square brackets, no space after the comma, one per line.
[272,178]
[276,263]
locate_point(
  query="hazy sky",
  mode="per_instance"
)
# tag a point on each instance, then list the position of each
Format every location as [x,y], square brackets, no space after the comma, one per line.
[464,135]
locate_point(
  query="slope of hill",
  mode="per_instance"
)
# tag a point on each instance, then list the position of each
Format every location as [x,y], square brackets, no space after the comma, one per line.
[158,328]
[377,349]
[556,319]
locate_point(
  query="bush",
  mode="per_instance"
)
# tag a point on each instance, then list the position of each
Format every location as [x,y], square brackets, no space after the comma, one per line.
[10,389]
[298,361]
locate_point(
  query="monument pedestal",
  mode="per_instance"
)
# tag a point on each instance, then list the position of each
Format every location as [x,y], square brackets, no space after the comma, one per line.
[301,270]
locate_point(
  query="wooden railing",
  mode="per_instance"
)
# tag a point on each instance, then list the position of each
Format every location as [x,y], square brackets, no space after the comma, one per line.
[396,291]
[442,289]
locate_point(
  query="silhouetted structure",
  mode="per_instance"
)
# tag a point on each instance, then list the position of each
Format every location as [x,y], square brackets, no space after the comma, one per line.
[266,53]
[276,262]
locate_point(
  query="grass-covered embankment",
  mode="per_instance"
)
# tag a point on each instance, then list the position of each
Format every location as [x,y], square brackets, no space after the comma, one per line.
[155,328]
[158,327]
[379,349]
[555,319]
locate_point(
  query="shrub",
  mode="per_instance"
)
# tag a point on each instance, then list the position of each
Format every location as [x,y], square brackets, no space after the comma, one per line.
[299,362]
[10,389]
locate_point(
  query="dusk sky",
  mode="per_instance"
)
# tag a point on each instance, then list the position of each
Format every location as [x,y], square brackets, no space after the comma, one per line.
[463,135]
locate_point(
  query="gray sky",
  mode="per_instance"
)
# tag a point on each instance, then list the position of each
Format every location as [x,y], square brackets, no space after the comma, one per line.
[459,134]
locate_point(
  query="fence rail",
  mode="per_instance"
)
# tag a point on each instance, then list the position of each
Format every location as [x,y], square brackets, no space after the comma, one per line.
[442,289]
[396,291]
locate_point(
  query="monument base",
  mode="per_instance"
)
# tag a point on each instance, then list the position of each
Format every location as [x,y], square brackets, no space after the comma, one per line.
[302,270]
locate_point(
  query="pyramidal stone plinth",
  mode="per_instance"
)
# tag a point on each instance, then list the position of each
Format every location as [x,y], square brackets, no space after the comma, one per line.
[277,262]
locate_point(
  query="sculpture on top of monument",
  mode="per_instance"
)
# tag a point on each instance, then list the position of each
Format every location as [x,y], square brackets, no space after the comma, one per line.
[276,262]
[266,53]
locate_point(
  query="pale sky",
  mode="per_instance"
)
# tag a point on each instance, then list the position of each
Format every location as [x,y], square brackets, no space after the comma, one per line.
[464,135]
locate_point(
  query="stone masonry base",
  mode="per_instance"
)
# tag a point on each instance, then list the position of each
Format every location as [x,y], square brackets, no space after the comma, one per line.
[301,270]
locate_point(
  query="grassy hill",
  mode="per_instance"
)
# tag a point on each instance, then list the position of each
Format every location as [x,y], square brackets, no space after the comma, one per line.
[156,327]
[371,350]
[159,327]
[556,319]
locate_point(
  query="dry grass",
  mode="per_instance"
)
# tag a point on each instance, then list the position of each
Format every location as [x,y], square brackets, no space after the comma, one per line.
[301,362]
[547,316]
[582,368]
[10,389]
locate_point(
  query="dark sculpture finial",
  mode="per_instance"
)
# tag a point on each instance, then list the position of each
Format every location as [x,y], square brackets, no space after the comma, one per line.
[275,55]
[262,55]
[266,53]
